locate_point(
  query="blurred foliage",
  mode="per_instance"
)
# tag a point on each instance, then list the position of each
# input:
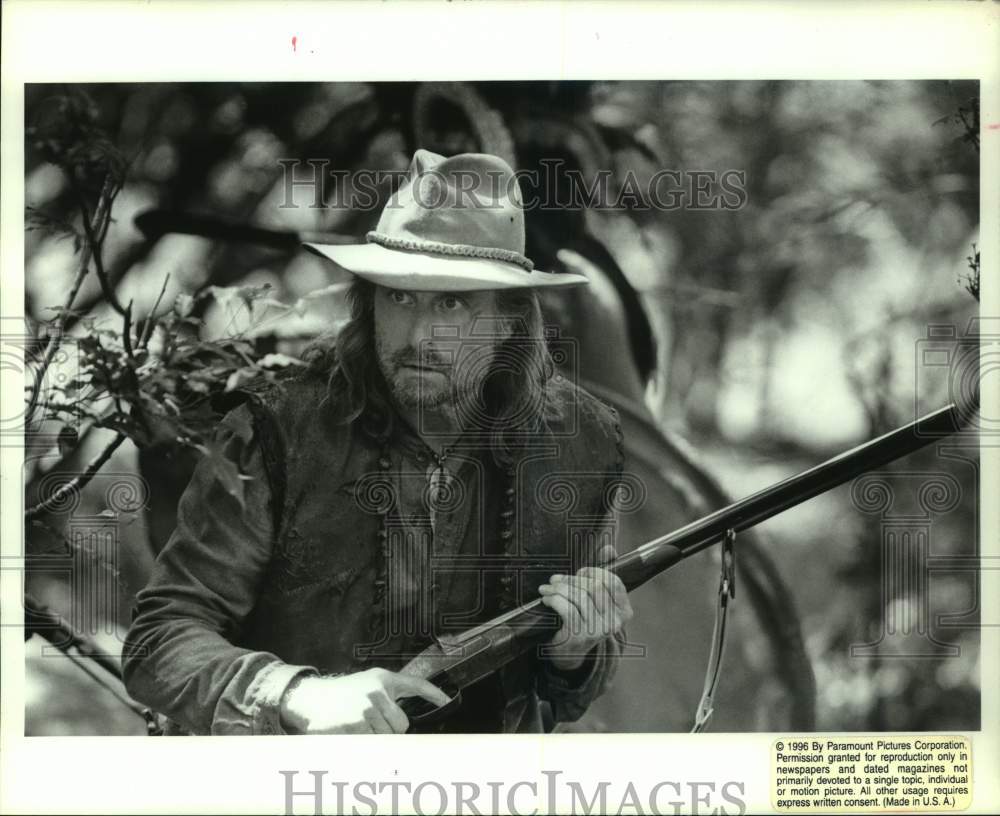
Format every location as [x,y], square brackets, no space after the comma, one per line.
[163,393]
[784,330]
[150,393]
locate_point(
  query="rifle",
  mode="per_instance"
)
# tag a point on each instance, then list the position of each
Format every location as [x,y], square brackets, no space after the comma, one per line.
[42,621]
[455,662]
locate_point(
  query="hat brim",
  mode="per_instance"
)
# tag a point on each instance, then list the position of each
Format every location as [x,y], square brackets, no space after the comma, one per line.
[426,272]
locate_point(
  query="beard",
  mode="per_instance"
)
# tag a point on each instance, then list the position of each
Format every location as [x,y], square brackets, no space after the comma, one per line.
[454,387]
[412,392]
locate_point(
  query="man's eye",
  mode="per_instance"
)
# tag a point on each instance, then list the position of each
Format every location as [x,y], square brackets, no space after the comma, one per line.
[452,303]
[399,298]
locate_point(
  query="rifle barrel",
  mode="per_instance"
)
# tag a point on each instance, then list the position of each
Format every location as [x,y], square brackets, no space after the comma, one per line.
[502,638]
[638,566]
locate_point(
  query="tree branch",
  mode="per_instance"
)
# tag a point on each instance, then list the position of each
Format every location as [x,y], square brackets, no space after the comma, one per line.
[55,337]
[79,482]
[101,216]
[147,330]
[95,235]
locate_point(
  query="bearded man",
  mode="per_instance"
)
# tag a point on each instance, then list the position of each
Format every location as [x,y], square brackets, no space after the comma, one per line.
[430,471]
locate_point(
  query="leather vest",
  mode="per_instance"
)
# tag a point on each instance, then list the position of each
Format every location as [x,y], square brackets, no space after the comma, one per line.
[322,600]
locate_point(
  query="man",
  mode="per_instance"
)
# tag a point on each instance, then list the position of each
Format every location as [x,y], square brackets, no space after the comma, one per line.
[429,472]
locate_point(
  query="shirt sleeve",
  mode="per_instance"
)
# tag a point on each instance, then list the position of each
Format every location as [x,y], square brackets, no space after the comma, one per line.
[179,657]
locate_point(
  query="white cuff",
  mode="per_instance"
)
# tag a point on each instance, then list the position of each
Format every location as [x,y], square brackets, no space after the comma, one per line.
[267,689]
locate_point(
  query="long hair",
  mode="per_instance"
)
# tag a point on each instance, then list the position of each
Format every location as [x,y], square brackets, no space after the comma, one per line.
[510,407]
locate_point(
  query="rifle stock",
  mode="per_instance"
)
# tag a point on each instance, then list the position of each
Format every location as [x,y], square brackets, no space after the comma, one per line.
[455,662]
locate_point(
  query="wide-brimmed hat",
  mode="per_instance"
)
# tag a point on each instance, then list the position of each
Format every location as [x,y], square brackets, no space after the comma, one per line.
[455,224]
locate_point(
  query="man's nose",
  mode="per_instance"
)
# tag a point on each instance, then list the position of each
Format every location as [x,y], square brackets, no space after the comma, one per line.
[432,336]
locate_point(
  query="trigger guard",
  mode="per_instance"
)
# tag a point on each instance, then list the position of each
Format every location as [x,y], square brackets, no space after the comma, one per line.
[435,715]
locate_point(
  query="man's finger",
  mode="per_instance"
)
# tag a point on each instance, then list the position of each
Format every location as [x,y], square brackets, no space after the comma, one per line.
[604,576]
[604,615]
[605,555]
[590,588]
[568,614]
[576,591]
[405,685]
[377,721]
[613,586]
[394,715]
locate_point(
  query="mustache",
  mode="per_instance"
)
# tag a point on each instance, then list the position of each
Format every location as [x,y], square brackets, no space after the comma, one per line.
[412,357]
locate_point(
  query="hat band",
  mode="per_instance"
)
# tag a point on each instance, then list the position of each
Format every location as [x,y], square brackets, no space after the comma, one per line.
[441,248]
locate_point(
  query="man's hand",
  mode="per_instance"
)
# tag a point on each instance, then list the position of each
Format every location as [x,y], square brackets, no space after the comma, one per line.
[360,703]
[592,604]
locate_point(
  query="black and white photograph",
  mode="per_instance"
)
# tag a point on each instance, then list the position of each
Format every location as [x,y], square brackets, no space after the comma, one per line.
[575,407]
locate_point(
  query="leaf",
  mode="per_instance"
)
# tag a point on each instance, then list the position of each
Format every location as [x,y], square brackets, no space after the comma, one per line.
[238,377]
[277,304]
[279,361]
[183,304]
[73,385]
[247,295]
[332,289]
[244,346]
[223,294]
[227,474]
